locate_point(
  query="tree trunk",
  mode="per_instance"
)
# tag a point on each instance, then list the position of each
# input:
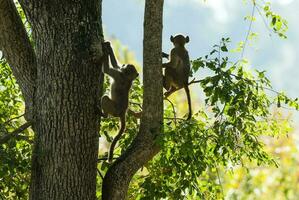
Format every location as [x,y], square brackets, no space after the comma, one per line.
[67,35]
[143,148]
[61,81]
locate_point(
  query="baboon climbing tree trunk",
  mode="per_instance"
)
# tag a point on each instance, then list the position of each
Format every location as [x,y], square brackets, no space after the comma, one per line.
[143,148]
[60,78]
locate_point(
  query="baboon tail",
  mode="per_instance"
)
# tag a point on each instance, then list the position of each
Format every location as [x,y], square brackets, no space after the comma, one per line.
[189,102]
[117,137]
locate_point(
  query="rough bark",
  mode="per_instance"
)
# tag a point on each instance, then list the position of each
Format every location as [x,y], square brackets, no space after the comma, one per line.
[143,148]
[18,51]
[67,37]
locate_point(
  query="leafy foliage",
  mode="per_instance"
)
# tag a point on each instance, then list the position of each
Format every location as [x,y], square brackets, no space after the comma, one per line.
[258,182]
[15,155]
[277,23]
[226,134]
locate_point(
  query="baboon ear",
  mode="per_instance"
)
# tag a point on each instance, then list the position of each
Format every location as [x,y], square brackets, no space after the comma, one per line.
[171,38]
[187,39]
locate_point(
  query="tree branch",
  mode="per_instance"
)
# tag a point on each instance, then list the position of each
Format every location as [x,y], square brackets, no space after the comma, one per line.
[19,53]
[100,174]
[190,83]
[10,120]
[5,138]
[173,110]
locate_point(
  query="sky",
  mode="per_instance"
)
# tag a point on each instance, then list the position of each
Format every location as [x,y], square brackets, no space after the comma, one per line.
[206,22]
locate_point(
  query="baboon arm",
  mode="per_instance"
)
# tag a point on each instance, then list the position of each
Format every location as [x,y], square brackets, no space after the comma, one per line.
[173,62]
[110,71]
[114,61]
[165,65]
[113,58]
[113,73]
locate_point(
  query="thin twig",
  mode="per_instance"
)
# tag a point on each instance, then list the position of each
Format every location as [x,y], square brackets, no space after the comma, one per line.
[249,30]
[173,109]
[135,103]
[191,82]
[264,88]
[246,79]
[264,21]
[106,158]
[99,172]
[24,137]
[15,133]
[17,117]
[194,81]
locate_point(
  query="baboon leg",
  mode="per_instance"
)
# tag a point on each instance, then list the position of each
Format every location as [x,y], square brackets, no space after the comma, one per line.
[170,91]
[166,82]
[108,107]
